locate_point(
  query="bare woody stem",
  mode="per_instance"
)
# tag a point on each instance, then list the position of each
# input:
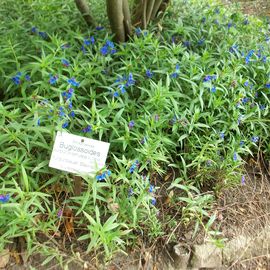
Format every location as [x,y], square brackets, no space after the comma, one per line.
[116,18]
[85,11]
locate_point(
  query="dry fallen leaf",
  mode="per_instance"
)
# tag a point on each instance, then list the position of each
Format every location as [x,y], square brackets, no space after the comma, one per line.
[167,177]
[68,220]
[169,198]
[4,258]
[16,256]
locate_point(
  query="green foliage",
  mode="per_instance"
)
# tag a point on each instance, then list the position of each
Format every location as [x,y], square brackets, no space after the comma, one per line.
[202,127]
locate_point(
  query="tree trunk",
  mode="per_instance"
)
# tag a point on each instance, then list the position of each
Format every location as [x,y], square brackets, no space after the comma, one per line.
[85,11]
[116,18]
[150,6]
[155,9]
[127,18]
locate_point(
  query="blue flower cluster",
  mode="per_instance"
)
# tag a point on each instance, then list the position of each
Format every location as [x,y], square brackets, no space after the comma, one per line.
[73,82]
[254,139]
[17,79]
[209,78]
[134,166]
[123,83]
[44,35]
[87,129]
[102,176]
[87,42]
[4,198]
[108,48]
[68,94]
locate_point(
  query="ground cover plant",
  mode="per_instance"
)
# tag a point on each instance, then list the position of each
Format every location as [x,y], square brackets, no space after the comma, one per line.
[183,105]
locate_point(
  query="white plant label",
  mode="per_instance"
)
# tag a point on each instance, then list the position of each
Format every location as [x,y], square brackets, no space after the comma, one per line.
[76,154]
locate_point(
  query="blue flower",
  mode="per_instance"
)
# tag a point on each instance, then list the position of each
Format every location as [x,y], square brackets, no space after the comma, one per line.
[246,83]
[131,124]
[138,31]
[245,100]
[254,139]
[235,156]
[34,29]
[65,62]
[175,74]
[108,48]
[61,112]
[262,107]
[149,74]
[222,135]
[246,21]
[72,114]
[104,50]
[115,94]
[130,80]
[134,165]
[87,129]
[173,121]
[89,41]
[43,35]
[203,20]
[187,44]
[213,89]
[153,201]
[70,105]
[216,10]
[53,79]
[38,122]
[230,24]
[151,188]
[267,85]
[249,55]
[73,82]
[122,88]
[27,78]
[233,49]
[102,175]
[201,42]
[4,198]
[98,28]
[242,143]
[208,78]
[65,125]
[17,78]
